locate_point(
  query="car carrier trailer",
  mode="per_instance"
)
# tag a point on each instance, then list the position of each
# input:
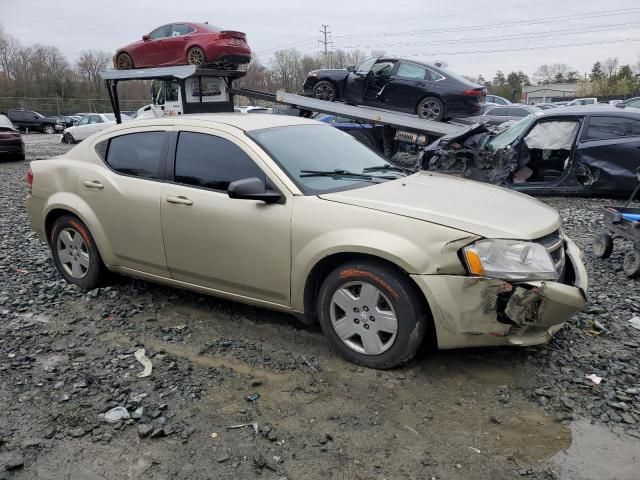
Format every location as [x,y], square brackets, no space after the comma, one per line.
[192,89]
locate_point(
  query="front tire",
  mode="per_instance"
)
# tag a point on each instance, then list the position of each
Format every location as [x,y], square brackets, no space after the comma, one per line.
[124,62]
[68,138]
[371,314]
[431,108]
[75,253]
[325,90]
[49,129]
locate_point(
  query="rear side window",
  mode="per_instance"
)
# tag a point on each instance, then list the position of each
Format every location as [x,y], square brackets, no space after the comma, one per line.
[137,154]
[518,112]
[180,29]
[410,70]
[604,128]
[207,161]
[498,112]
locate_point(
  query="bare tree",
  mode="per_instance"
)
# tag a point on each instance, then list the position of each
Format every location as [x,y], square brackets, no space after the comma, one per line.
[88,66]
[610,66]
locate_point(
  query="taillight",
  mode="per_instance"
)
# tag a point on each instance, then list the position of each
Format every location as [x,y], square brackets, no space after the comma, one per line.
[475,92]
[30,179]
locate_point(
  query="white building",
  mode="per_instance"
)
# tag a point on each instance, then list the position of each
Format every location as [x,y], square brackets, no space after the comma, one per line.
[552,92]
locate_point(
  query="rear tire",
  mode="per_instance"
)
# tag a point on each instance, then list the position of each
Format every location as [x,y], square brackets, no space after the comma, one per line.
[602,245]
[196,56]
[631,264]
[431,108]
[124,62]
[371,314]
[75,253]
[325,90]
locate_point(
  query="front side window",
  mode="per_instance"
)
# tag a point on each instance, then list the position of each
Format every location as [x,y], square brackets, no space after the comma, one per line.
[410,70]
[137,154]
[382,69]
[518,112]
[604,128]
[366,66]
[321,159]
[208,161]
[95,119]
[161,32]
[84,120]
[510,134]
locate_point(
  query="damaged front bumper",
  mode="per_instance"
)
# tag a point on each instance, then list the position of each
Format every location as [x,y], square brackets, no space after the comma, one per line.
[478,311]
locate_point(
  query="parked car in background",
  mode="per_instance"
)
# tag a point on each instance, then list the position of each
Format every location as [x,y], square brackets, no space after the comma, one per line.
[185,43]
[496,100]
[591,150]
[426,90]
[90,124]
[305,219]
[11,144]
[631,102]
[253,109]
[32,121]
[560,104]
[583,101]
[504,113]
[546,106]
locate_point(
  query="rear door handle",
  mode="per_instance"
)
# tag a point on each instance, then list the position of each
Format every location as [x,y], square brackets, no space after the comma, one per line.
[93,184]
[180,200]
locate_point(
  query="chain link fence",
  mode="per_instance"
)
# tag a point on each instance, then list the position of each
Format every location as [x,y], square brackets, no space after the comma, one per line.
[67,106]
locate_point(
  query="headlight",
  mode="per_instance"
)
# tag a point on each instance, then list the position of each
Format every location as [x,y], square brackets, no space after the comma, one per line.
[313,74]
[509,260]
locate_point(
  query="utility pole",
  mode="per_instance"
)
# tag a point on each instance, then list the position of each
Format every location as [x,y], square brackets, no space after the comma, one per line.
[325,42]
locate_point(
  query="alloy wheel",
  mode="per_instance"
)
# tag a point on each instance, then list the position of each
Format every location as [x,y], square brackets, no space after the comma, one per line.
[363,318]
[124,62]
[324,92]
[196,56]
[73,253]
[430,110]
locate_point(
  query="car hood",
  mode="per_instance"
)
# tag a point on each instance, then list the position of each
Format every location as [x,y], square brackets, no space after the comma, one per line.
[473,207]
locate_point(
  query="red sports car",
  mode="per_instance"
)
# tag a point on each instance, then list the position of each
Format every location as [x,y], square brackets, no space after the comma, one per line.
[185,43]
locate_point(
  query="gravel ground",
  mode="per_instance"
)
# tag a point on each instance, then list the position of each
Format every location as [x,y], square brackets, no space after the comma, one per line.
[67,358]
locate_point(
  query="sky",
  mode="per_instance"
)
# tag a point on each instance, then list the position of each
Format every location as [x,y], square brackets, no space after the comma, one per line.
[473,37]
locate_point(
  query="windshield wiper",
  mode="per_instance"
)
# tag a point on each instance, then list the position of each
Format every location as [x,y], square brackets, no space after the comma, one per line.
[343,174]
[391,168]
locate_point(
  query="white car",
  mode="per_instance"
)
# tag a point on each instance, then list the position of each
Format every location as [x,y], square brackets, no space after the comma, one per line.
[88,125]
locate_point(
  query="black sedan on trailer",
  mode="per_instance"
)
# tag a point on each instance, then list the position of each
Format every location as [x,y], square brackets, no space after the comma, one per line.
[591,150]
[429,91]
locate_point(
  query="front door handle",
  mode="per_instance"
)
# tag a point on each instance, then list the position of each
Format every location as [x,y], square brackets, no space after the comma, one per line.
[180,200]
[93,184]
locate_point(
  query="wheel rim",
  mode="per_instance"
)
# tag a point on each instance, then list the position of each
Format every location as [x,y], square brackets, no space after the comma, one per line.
[631,263]
[324,92]
[363,318]
[196,56]
[124,62]
[73,253]
[598,247]
[48,129]
[430,110]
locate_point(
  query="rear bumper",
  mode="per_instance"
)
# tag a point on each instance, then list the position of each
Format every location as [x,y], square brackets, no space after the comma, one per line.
[12,148]
[35,208]
[228,54]
[470,311]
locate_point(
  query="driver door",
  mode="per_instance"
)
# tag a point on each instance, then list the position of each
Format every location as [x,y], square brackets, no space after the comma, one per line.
[357,82]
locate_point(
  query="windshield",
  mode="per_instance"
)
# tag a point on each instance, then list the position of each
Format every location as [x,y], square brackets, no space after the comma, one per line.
[301,149]
[510,134]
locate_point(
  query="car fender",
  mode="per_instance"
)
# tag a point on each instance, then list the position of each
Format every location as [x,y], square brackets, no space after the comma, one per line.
[405,253]
[75,205]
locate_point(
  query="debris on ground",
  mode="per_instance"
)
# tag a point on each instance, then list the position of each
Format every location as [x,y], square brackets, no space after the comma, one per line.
[594,378]
[254,425]
[117,414]
[146,363]
[252,398]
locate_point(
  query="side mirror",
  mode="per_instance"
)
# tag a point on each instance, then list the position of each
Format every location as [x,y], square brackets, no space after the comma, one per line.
[351,68]
[146,38]
[252,189]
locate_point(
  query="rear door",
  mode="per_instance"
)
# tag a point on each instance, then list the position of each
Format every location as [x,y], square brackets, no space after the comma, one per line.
[123,191]
[609,150]
[356,82]
[240,247]
[175,45]
[407,86]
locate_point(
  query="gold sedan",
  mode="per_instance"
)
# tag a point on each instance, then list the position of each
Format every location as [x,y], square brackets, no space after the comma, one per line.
[294,215]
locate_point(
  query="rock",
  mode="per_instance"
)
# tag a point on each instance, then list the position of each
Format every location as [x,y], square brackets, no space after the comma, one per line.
[12,460]
[626,418]
[144,430]
[76,432]
[158,432]
[223,458]
[494,419]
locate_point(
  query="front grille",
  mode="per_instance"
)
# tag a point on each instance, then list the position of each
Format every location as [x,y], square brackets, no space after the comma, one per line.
[554,243]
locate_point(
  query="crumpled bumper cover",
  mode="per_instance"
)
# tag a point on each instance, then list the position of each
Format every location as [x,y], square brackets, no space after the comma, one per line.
[475,311]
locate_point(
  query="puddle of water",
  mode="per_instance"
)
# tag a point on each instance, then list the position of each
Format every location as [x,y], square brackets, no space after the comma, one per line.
[597,453]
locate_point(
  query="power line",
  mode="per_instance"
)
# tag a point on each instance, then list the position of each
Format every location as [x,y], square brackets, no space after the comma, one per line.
[288,45]
[549,33]
[564,18]
[516,49]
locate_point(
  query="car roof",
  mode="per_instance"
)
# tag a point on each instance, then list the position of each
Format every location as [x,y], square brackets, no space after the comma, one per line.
[243,121]
[598,109]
